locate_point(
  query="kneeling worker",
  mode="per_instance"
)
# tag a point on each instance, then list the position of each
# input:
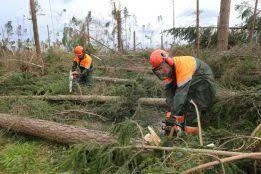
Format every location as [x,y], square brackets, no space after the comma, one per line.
[186,78]
[84,62]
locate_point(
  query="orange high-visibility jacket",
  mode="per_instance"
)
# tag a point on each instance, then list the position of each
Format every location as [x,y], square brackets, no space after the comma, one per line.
[85,63]
[185,67]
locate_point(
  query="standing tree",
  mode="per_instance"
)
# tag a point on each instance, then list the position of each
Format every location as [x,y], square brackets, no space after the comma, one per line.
[173,18]
[88,20]
[253,24]
[117,16]
[197,30]
[160,22]
[223,27]
[35,28]
[48,37]
[36,35]
[126,15]
[7,41]
[19,37]
[247,15]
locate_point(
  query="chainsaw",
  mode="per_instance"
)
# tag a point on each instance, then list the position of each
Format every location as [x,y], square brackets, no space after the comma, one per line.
[70,81]
[72,76]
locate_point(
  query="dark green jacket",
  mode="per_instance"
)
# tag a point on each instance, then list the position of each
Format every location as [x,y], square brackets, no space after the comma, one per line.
[201,88]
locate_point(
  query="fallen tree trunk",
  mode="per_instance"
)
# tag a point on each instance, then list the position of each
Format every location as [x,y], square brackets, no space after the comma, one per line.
[53,131]
[70,134]
[115,69]
[113,80]
[192,150]
[221,161]
[221,94]
[81,98]
[152,101]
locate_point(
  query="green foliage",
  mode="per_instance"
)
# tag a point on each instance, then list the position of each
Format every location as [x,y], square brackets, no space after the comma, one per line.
[208,36]
[24,158]
[22,83]
[237,69]
[243,108]
[125,131]
[93,158]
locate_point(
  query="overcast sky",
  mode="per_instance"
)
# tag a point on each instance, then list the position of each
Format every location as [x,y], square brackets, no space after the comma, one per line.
[146,12]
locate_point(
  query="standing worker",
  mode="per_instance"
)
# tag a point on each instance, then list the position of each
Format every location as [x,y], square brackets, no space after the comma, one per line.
[186,78]
[84,62]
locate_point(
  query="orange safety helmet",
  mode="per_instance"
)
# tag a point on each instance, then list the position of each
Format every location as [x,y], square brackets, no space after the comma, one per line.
[78,50]
[158,56]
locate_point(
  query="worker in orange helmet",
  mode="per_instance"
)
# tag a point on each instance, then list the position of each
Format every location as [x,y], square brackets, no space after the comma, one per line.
[186,78]
[84,62]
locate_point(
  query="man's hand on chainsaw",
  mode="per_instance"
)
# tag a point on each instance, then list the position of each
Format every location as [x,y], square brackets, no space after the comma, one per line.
[75,74]
[173,124]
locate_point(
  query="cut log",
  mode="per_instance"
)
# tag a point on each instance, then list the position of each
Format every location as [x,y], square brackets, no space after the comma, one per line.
[68,134]
[115,69]
[53,131]
[221,94]
[152,102]
[221,161]
[80,98]
[112,80]
[194,150]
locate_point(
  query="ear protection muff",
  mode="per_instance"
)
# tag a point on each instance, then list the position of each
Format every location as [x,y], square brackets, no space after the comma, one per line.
[84,51]
[167,59]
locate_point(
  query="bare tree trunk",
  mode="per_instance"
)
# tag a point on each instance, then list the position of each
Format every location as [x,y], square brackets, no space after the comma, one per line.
[161,42]
[134,41]
[253,25]
[36,35]
[173,16]
[223,25]
[53,131]
[88,33]
[35,27]
[49,41]
[117,13]
[119,31]
[197,30]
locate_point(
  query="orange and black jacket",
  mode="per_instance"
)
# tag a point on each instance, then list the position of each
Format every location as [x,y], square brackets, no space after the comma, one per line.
[188,72]
[85,65]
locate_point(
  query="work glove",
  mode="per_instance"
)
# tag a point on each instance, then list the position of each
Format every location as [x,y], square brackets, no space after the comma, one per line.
[173,124]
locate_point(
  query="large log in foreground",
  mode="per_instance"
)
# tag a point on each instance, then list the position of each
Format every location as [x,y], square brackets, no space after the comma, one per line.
[70,134]
[53,131]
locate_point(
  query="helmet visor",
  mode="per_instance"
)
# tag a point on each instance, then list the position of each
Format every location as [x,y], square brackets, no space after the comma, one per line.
[163,71]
